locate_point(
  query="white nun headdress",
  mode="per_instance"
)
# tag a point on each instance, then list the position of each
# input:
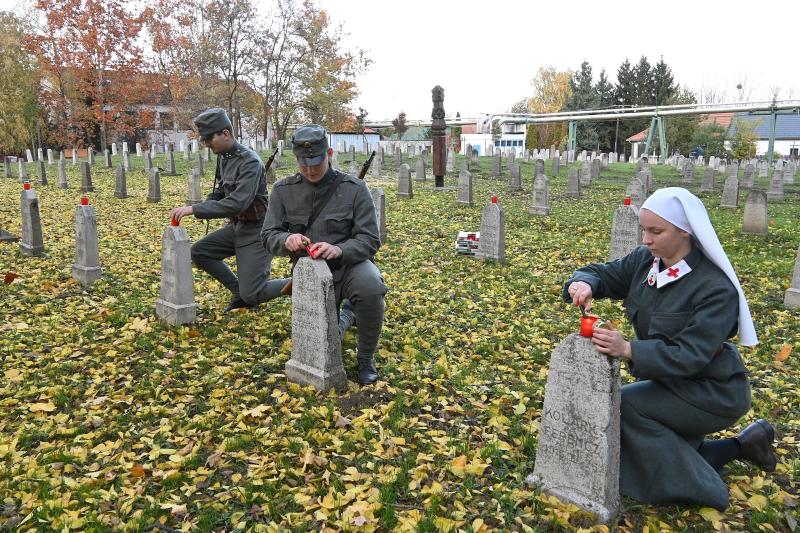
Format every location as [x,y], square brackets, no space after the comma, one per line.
[685,210]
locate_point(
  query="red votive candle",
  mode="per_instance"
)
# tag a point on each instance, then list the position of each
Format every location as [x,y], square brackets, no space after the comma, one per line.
[587,325]
[26,186]
[174,222]
[627,201]
[84,200]
[494,199]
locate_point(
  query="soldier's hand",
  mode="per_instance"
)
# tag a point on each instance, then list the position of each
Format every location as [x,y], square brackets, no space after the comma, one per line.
[581,293]
[179,212]
[324,250]
[294,242]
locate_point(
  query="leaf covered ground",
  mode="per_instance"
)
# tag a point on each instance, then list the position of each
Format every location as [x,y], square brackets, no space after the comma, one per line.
[111,420]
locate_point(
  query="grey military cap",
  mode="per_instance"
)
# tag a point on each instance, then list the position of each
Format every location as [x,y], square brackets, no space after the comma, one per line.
[211,121]
[309,144]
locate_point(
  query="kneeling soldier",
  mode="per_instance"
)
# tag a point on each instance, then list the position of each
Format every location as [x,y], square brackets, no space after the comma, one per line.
[242,198]
[334,211]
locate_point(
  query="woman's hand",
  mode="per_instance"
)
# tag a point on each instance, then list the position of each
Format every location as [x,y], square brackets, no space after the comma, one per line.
[611,342]
[581,293]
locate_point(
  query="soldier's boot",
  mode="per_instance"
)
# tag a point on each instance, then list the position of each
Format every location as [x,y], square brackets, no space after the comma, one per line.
[236,303]
[347,317]
[369,317]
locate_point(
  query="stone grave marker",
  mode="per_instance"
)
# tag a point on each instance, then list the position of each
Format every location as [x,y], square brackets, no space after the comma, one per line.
[352,167]
[464,194]
[138,150]
[450,165]
[42,172]
[175,304]
[86,269]
[578,456]
[154,186]
[595,168]
[126,161]
[708,180]
[316,349]
[31,242]
[763,169]
[749,175]
[185,151]
[23,171]
[198,163]
[540,198]
[121,188]
[49,156]
[90,155]
[556,166]
[109,164]
[377,167]
[755,213]
[74,156]
[775,192]
[29,155]
[208,154]
[789,171]
[688,172]
[514,177]
[411,149]
[420,174]
[573,183]
[625,232]
[170,157]
[379,200]
[586,174]
[113,149]
[398,157]
[730,193]
[493,232]
[193,188]
[86,177]
[539,169]
[497,169]
[62,174]
[404,183]
[352,152]
[792,297]
[636,192]
[148,161]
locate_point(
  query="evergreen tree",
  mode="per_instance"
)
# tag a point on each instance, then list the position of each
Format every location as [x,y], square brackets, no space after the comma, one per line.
[663,83]
[625,92]
[583,97]
[681,129]
[645,86]
[605,98]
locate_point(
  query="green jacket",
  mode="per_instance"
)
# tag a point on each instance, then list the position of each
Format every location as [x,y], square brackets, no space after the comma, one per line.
[243,180]
[348,219]
[681,328]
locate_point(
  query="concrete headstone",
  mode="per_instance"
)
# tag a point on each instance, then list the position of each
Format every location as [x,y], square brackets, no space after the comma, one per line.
[775,192]
[404,183]
[379,201]
[32,242]
[755,213]
[62,175]
[625,232]
[42,172]
[87,251]
[708,184]
[464,194]
[540,198]
[573,183]
[514,177]
[154,186]
[792,297]
[86,177]
[121,186]
[493,233]
[730,193]
[175,304]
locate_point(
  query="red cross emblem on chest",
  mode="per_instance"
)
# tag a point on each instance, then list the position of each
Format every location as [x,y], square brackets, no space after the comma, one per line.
[673,272]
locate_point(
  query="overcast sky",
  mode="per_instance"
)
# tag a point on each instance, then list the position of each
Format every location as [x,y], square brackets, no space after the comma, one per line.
[485,55]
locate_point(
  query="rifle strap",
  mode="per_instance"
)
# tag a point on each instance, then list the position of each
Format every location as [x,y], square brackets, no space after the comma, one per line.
[325,200]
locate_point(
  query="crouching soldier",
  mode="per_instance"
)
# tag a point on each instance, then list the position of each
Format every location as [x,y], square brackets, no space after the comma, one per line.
[333,212]
[241,197]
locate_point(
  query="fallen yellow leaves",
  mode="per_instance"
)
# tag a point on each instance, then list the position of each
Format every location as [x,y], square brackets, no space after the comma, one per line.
[42,407]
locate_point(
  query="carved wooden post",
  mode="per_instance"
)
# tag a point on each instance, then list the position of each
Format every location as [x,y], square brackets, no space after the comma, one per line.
[437,127]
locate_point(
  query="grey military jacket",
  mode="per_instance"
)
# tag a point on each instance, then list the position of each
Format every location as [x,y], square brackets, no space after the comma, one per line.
[681,328]
[348,219]
[243,180]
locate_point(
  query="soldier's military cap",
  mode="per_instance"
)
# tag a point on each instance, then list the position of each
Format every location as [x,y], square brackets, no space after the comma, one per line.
[309,144]
[211,121]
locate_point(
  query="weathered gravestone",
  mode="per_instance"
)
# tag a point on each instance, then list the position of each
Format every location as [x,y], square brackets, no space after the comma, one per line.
[176,304]
[493,232]
[625,232]
[749,175]
[404,183]
[755,213]
[775,192]
[193,188]
[636,192]
[90,155]
[170,171]
[185,151]
[539,169]
[352,168]
[148,162]
[49,156]
[708,180]
[556,166]
[23,172]
[208,154]
[334,162]
[595,168]
[29,155]
[154,186]
[379,201]
[316,349]
[86,177]
[421,172]
[42,172]
[540,198]
[788,173]
[109,164]
[74,155]
[578,456]
[573,183]
[377,167]
[586,174]
[398,157]
[126,161]
[86,269]
[763,169]
[688,172]
[138,150]
[792,297]
[62,175]
[464,194]
[514,177]
[113,149]
[730,193]
[450,165]
[198,162]
[121,188]
[497,168]
[32,242]
[352,152]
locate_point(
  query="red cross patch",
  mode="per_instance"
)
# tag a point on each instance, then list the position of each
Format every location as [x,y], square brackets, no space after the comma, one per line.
[673,272]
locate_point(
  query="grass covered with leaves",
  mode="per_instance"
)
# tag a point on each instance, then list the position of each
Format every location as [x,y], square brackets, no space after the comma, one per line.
[112,420]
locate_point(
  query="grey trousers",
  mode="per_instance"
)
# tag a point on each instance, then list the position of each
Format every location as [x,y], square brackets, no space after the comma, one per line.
[660,436]
[253,263]
[363,286]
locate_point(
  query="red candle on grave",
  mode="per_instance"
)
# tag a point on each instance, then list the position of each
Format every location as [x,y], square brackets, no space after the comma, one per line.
[26,186]
[307,246]
[627,201]
[174,222]
[494,199]
[587,325]
[84,200]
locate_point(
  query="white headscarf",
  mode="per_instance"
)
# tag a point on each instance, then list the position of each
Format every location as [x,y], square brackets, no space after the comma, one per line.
[685,210]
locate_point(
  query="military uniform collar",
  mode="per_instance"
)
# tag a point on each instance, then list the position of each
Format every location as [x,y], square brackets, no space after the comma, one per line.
[327,178]
[661,278]
[235,150]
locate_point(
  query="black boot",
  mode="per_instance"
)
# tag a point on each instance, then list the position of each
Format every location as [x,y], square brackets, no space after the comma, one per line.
[756,443]
[347,318]
[236,303]
[367,373]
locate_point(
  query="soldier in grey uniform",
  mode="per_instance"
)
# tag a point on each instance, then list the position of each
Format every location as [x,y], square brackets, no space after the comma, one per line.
[241,197]
[334,212]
